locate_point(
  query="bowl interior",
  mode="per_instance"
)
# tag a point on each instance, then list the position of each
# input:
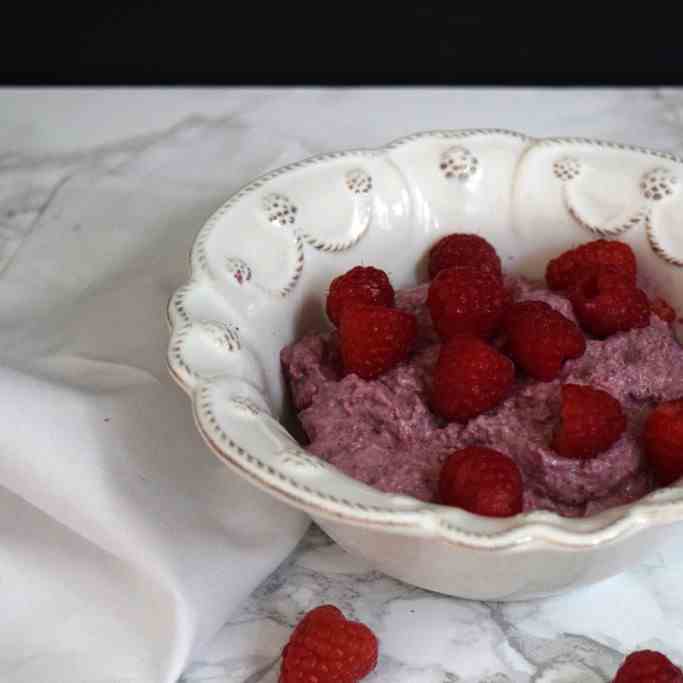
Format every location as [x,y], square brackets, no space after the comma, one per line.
[262,263]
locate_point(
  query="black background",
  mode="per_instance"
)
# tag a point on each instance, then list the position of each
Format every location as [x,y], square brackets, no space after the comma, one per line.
[347,43]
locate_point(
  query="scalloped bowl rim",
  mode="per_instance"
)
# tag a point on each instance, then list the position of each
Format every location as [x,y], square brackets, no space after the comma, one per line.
[431,520]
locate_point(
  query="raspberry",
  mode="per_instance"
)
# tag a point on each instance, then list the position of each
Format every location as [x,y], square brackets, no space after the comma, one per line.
[563,271]
[374,339]
[591,421]
[362,284]
[463,249]
[605,304]
[481,481]
[466,300]
[648,666]
[470,377]
[327,648]
[540,339]
[662,309]
[663,441]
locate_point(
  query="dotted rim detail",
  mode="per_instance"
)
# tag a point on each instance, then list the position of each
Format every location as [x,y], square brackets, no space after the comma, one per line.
[655,186]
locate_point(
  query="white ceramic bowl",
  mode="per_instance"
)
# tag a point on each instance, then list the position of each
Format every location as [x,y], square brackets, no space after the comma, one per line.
[260,269]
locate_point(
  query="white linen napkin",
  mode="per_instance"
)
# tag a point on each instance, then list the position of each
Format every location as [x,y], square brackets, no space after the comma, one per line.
[124,543]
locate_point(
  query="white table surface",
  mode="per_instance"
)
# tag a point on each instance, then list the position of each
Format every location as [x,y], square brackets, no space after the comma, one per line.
[425,638]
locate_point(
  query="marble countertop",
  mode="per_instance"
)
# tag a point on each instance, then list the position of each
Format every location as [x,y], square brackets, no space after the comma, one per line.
[425,638]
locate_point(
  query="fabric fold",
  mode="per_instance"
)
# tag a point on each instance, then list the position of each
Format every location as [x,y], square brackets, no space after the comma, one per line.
[125,543]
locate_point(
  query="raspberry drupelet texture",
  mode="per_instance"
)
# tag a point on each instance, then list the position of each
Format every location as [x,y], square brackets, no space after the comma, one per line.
[463,249]
[482,481]
[470,377]
[663,441]
[648,666]
[562,272]
[591,421]
[374,339]
[361,284]
[466,300]
[325,647]
[605,304]
[540,339]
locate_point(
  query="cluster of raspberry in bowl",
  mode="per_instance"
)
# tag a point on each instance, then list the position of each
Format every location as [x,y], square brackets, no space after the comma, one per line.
[486,340]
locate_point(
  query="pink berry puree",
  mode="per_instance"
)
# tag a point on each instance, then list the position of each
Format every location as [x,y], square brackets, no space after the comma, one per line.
[383,433]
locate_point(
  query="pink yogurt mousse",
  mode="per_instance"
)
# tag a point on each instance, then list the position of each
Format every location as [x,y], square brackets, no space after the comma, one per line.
[383,433]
